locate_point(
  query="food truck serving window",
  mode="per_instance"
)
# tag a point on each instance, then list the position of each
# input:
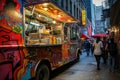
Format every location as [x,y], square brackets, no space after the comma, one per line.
[41,29]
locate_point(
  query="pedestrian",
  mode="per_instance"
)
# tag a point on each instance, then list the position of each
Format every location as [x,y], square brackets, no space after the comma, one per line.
[112,52]
[97,45]
[104,50]
[87,47]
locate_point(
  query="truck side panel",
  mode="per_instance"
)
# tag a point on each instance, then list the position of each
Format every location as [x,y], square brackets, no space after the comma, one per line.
[11,39]
[17,61]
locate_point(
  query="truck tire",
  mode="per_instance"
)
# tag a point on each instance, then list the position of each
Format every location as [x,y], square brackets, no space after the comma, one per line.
[78,57]
[43,72]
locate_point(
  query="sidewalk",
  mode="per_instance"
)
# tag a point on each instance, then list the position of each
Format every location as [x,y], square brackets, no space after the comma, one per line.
[85,69]
[89,63]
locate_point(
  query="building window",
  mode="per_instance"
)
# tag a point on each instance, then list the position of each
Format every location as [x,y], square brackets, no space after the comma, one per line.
[62,3]
[77,13]
[74,10]
[70,6]
[67,5]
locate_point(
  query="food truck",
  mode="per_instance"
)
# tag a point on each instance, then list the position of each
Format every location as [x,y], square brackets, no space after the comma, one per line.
[36,37]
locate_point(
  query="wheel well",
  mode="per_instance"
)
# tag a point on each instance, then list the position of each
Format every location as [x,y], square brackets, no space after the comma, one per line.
[44,61]
[40,64]
[77,52]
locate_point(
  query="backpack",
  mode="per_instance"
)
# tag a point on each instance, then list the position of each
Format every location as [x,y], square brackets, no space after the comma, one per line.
[112,49]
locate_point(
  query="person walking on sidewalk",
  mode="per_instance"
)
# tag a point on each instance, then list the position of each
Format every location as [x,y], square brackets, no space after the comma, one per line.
[87,47]
[112,52]
[97,45]
[104,50]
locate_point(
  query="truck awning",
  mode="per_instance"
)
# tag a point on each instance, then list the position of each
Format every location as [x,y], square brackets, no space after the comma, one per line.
[51,10]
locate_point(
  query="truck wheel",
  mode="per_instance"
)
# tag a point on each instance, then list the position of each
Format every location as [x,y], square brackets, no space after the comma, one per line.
[43,72]
[78,57]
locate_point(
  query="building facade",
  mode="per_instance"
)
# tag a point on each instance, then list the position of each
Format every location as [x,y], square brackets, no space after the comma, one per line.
[115,25]
[72,7]
[90,13]
[113,10]
[99,23]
